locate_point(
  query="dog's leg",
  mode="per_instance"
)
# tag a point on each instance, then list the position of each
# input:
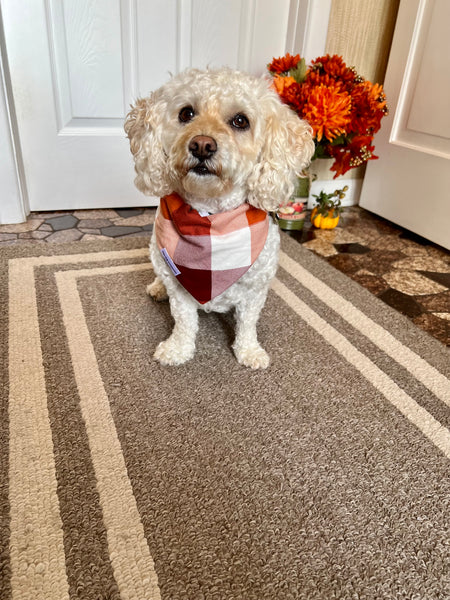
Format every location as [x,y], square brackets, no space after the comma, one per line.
[157,290]
[246,346]
[180,346]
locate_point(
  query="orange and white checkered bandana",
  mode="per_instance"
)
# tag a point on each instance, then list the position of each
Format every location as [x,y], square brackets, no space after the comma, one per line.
[207,254]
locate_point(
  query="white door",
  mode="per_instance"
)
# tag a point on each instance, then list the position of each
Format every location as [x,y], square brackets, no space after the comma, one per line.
[77,65]
[410,183]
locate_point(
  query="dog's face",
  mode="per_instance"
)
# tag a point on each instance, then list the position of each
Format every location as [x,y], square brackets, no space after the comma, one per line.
[218,135]
[212,140]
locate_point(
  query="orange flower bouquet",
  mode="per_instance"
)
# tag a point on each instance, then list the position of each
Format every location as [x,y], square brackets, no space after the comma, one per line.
[344,110]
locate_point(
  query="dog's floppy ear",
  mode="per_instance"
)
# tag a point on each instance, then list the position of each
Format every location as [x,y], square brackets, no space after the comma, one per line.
[142,128]
[287,149]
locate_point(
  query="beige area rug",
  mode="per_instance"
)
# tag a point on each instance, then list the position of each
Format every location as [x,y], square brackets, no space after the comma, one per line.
[325,476]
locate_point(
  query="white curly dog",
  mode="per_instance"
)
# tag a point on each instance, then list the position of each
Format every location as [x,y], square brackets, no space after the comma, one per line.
[217,143]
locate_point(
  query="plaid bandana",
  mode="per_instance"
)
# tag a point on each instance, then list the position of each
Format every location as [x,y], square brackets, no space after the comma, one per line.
[208,253]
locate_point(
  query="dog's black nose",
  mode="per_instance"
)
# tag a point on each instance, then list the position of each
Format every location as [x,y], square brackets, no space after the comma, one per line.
[202,146]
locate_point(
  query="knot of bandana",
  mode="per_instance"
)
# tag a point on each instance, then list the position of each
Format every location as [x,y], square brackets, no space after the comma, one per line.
[208,253]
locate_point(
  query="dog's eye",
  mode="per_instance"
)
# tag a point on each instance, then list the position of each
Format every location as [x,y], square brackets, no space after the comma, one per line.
[186,114]
[240,121]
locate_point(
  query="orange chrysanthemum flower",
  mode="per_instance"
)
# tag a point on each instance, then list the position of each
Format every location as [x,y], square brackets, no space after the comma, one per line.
[315,77]
[327,111]
[282,83]
[333,66]
[284,63]
[375,95]
[368,108]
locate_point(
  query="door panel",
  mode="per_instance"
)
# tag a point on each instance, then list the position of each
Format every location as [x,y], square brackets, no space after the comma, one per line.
[409,183]
[77,65]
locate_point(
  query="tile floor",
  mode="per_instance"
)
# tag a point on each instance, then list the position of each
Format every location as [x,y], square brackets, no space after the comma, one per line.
[404,270]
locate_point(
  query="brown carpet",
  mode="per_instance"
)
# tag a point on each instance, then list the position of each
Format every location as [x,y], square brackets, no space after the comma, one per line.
[325,476]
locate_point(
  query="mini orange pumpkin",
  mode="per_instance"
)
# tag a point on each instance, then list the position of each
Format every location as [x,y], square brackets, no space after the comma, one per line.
[326,214]
[328,221]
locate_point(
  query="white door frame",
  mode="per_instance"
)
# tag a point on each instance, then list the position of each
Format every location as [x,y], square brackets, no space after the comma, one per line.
[13,195]
[308,28]
[306,35]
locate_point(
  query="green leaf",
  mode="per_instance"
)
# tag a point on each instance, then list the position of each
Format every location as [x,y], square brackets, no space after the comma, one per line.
[339,140]
[299,73]
[320,152]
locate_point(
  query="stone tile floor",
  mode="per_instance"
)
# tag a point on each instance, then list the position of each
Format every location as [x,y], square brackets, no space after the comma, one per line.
[407,272]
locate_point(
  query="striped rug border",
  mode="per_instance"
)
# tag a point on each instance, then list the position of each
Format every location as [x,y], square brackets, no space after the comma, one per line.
[36,537]
[416,414]
[419,368]
[133,566]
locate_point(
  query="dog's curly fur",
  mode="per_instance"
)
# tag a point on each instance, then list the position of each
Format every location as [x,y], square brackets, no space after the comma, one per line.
[256,160]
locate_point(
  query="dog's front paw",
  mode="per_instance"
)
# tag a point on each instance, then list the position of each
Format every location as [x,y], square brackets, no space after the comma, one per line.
[157,290]
[172,353]
[254,357]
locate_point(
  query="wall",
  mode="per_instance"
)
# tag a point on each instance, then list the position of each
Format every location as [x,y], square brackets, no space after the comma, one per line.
[361,32]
